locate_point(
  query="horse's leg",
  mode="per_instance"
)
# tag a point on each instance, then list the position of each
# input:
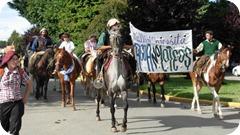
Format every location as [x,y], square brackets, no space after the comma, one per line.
[55,85]
[68,91]
[154,93]
[103,95]
[196,87]
[63,92]
[125,108]
[196,93]
[216,104]
[162,104]
[138,95]
[98,105]
[45,88]
[149,91]
[37,89]
[72,85]
[112,110]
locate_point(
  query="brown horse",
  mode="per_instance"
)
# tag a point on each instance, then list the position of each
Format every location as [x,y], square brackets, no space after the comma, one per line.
[212,78]
[154,78]
[64,61]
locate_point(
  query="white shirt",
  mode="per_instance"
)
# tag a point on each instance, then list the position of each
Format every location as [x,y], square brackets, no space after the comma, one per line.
[69,46]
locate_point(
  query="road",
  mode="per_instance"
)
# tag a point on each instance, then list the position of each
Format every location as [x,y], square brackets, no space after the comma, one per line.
[49,118]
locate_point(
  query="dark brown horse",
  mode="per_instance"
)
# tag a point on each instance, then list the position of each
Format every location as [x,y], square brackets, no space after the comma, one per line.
[212,78]
[41,67]
[64,61]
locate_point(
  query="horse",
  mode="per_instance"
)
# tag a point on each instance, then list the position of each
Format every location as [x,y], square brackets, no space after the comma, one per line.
[88,73]
[65,60]
[152,79]
[40,67]
[212,78]
[115,80]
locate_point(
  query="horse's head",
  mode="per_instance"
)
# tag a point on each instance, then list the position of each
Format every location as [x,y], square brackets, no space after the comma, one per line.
[115,41]
[62,58]
[223,57]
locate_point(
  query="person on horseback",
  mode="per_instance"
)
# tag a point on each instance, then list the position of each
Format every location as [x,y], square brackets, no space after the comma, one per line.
[69,47]
[38,46]
[209,47]
[103,46]
[91,44]
[47,41]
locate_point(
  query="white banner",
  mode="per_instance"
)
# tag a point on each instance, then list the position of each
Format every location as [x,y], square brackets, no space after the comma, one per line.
[162,52]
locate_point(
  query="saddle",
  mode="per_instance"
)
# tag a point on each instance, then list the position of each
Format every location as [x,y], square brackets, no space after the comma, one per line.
[201,65]
[123,59]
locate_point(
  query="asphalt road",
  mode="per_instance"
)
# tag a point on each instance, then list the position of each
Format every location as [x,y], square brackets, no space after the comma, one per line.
[49,118]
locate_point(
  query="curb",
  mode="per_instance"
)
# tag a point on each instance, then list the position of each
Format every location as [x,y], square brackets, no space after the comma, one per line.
[188,100]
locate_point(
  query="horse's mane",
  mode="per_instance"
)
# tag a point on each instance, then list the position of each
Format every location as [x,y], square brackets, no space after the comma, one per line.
[46,56]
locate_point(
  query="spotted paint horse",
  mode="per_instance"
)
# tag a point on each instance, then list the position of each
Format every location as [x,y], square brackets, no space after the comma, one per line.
[212,78]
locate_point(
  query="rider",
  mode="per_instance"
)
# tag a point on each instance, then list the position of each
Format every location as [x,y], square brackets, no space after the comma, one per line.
[39,50]
[209,47]
[91,43]
[69,47]
[104,44]
[47,41]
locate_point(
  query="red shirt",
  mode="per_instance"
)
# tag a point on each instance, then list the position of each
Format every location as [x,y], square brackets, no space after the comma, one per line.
[10,85]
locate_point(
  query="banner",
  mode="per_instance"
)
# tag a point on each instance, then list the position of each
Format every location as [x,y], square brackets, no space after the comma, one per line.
[162,52]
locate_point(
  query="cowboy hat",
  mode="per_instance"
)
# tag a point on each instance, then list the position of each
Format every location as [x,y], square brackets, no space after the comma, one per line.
[43,29]
[112,22]
[7,57]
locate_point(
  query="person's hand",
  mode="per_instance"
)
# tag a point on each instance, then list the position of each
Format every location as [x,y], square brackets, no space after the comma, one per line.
[194,52]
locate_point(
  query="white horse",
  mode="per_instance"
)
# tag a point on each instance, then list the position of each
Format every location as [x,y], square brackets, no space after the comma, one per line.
[115,80]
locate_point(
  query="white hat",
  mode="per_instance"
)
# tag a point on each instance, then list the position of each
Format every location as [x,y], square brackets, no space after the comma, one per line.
[43,29]
[112,22]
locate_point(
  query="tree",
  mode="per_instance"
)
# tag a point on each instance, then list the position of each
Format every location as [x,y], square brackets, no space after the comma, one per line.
[17,40]
[59,16]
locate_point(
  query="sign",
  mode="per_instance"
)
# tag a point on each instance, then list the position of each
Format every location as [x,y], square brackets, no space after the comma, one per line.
[162,52]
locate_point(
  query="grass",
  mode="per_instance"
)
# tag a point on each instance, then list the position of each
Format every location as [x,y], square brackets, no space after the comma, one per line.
[180,87]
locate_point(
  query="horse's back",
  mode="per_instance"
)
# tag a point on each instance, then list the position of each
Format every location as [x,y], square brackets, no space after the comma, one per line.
[156,77]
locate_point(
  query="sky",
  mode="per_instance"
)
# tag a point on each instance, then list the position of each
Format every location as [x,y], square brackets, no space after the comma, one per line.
[10,21]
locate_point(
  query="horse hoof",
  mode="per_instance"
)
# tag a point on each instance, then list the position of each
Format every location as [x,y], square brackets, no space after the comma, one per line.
[192,109]
[138,100]
[123,129]
[63,105]
[98,119]
[74,108]
[114,129]
[162,105]
[220,117]
[199,112]
[96,101]
[215,115]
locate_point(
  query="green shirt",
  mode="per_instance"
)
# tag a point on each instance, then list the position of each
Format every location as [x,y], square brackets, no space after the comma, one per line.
[210,47]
